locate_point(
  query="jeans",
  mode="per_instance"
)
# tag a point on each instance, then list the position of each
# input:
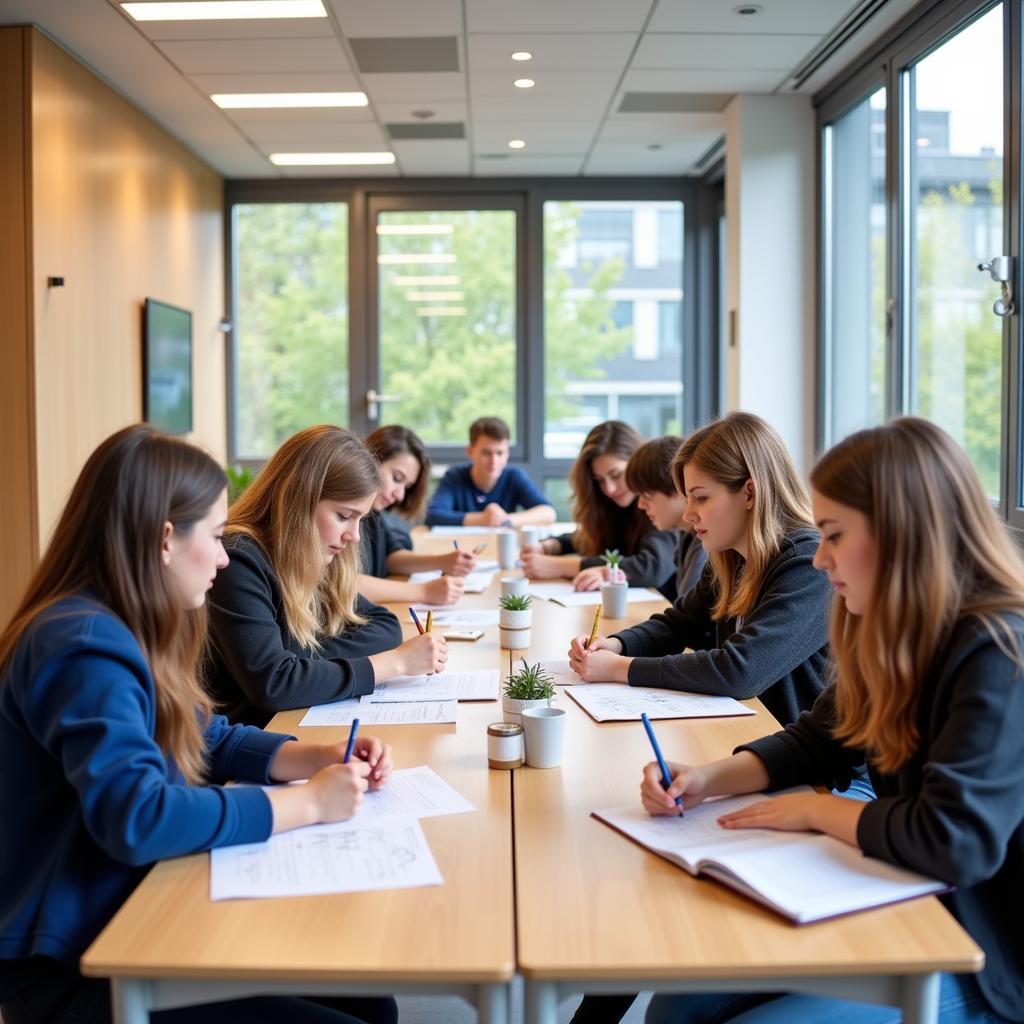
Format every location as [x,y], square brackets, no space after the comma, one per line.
[960,1002]
[58,994]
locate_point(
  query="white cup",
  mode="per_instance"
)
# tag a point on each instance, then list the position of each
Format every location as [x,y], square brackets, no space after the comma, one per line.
[613,600]
[513,585]
[544,735]
[530,535]
[508,549]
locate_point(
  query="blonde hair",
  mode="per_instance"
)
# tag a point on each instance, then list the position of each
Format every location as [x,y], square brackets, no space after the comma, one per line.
[107,544]
[321,463]
[945,556]
[733,450]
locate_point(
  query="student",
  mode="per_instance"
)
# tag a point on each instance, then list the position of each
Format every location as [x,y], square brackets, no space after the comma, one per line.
[927,638]
[404,471]
[607,516]
[288,628]
[757,620]
[649,477]
[488,491]
[114,760]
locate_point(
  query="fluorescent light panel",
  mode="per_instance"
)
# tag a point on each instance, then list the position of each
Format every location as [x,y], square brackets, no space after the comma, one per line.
[438,280]
[441,311]
[435,296]
[225,10]
[415,229]
[400,258]
[263,100]
[330,159]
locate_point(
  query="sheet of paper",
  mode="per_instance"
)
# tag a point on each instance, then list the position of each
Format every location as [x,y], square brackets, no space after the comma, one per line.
[560,672]
[348,856]
[577,599]
[419,792]
[342,712]
[475,582]
[617,702]
[464,531]
[547,591]
[462,618]
[480,685]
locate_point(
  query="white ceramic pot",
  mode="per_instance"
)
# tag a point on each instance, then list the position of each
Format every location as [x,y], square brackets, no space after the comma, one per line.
[512,709]
[514,627]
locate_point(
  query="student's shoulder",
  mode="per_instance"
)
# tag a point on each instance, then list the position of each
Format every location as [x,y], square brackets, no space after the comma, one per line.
[799,543]
[1001,629]
[458,474]
[244,550]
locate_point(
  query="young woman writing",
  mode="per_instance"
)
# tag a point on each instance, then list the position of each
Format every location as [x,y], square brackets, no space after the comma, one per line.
[101,708]
[288,627]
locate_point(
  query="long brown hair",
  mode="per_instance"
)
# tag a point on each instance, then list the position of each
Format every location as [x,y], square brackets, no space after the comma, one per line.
[107,543]
[737,448]
[945,556]
[592,510]
[321,463]
[391,440]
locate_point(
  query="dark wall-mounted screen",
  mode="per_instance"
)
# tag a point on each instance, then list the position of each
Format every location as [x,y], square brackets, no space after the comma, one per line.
[167,367]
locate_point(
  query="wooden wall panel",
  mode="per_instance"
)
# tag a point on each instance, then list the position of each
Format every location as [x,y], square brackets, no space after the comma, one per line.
[122,211]
[18,531]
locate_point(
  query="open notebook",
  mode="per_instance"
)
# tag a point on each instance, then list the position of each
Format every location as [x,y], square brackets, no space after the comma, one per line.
[803,876]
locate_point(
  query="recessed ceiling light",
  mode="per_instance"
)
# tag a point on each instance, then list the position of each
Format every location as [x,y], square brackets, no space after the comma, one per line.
[524,83]
[329,159]
[517,144]
[259,100]
[415,229]
[224,10]
[522,55]
[748,10]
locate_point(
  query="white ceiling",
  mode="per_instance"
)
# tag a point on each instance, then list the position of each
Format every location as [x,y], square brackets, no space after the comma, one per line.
[587,55]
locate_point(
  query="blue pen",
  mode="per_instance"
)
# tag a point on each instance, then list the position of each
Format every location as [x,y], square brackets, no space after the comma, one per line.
[666,778]
[351,740]
[412,612]
[455,544]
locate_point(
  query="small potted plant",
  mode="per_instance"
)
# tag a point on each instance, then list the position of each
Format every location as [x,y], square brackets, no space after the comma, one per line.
[530,687]
[515,617]
[613,590]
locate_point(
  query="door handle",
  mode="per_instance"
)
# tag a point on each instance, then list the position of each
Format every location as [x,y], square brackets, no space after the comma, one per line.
[373,401]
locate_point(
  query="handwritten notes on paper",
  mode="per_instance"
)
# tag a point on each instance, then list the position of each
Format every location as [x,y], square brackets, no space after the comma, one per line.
[419,792]
[475,582]
[461,618]
[342,712]
[478,685]
[617,702]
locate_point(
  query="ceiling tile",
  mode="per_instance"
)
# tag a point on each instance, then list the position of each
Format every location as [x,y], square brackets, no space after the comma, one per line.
[548,84]
[562,51]
[421,88]
[556,15]
[673,158]
[715,51]
[243,56]
[659,128]
[540,136]
[792,16]
[398,17]
[315,138]
[438,157]
[302,115]
[406,54]
[321,81]
[538,108]
[521,166]
[402,110]
[727,82]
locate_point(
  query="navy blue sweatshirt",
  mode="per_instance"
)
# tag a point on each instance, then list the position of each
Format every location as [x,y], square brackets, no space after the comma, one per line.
[258,668]
[456,495]
[89,799]
[778,652]
[955,810]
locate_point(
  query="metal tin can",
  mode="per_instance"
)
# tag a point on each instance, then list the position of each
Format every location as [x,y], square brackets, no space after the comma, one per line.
[504,745]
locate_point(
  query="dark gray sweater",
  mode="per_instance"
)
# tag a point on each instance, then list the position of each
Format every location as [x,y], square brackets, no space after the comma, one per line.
[257,667]
[955,810]
[778,652]
[377,541]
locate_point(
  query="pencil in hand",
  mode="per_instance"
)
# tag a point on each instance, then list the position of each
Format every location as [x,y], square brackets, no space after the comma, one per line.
[593,632]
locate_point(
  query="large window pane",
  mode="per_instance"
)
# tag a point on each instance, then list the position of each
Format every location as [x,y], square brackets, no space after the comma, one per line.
[291,321]
[447,319]
[612,319]
[955,140]
[855,280]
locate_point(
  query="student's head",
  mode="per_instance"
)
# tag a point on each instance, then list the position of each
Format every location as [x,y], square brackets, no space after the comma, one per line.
[649,477]
[743,495]
[304,509]
[488,449]
[911,543]
[404,470]
[598,479]
[141,531]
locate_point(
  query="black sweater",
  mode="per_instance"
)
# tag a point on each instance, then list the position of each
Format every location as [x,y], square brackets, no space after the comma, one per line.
[778,652]
[955,810]
[377,540]
[258,668]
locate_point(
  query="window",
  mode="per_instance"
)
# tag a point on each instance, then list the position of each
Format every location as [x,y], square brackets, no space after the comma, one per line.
[291,321]
[612,318]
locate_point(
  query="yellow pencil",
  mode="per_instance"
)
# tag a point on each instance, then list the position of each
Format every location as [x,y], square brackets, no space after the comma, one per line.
[430,620]
[593,632]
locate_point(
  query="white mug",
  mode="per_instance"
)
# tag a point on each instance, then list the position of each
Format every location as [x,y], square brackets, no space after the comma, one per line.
[508,549]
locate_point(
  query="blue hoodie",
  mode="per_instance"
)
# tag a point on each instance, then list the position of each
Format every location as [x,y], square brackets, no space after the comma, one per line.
[88,799]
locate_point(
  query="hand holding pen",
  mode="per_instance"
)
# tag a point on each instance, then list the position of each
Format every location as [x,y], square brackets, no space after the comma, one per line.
[665,775]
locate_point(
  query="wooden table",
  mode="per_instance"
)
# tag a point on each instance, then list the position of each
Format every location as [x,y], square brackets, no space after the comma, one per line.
[598,913]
